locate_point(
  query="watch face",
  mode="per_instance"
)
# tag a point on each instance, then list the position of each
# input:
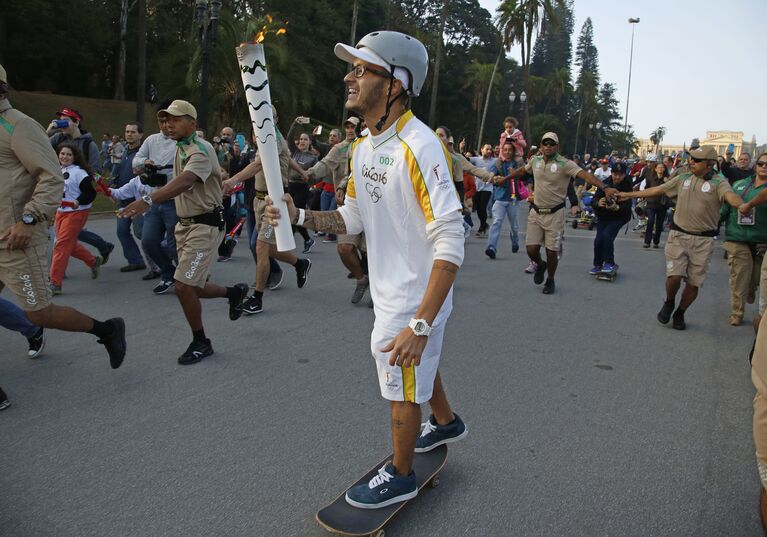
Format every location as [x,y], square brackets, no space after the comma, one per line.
[28,219]
[419,326]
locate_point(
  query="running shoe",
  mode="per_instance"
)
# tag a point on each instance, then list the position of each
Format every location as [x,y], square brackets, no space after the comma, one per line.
[646,245]
[359,290]
[223,258]
[235,302]
[531,267]
[514,248]
[665,312]
[330,238]
[4,402]
[302,271]
[678,321]
[252,305]
[275,280]
[196,351]
[595,270]
[308,245]
[490,253]
[386,488]
[115,343]
[540,271]
[434,435]
[96,268]
[36,343]
[549,287]
[608,268]
[163,287]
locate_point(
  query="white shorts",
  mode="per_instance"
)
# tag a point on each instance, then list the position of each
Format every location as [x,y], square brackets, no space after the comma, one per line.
[413,384]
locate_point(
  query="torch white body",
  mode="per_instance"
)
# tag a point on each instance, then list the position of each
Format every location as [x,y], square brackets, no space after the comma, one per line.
[256,82]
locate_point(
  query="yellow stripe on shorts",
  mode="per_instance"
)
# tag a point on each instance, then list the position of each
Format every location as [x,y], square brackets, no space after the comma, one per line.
[408,383]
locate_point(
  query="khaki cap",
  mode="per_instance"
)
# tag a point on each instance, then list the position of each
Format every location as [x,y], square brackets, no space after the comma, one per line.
[178,108]
[353,120]
[704,153]
[550,136]
[3,75]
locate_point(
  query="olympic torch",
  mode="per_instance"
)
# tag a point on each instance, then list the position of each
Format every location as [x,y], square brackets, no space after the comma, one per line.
[256,82]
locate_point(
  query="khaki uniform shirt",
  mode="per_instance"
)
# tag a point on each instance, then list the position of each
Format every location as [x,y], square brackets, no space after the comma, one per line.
[335,164]
[697,201]
[551,179]
[199,157]
[284,154]
[30,176]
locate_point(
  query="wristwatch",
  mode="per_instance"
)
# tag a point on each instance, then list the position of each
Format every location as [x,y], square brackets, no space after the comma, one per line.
[419,327]
[29,219]
[146,198]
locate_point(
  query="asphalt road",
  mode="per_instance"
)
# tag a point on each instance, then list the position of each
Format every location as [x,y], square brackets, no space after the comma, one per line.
[586,416]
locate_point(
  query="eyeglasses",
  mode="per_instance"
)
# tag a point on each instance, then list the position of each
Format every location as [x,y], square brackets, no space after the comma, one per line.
[359,71]
[696,159]
[549,143]
[762,163]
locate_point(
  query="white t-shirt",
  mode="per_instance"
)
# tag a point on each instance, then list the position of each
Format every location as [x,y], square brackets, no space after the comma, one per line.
[602,174]
[400,181]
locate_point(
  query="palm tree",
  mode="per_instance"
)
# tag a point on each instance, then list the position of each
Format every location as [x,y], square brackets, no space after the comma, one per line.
[557,85]
[518,21]
[656,137]
[478,77]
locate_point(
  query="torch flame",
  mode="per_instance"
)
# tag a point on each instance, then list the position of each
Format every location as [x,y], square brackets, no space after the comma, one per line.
[269,29]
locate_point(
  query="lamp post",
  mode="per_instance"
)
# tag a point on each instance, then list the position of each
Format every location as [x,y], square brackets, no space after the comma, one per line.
[633,22]
[596,151]
[512,98]
[586,147]
[206,18]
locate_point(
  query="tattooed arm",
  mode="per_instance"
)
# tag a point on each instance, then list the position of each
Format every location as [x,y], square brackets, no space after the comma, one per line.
[327,221]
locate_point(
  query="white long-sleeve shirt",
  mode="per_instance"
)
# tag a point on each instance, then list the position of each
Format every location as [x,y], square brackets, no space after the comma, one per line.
[133,189]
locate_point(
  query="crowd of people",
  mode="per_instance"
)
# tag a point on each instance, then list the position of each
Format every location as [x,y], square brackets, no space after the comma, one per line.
[187,201]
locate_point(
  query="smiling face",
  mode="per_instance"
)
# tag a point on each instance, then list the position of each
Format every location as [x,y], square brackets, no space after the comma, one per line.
[350,130]
[66,157]
[507,152]
[367,92]
[744,160]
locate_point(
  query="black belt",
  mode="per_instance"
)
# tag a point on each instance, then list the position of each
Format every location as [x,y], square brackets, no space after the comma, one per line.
[709,233]
[550,210]
[215,218]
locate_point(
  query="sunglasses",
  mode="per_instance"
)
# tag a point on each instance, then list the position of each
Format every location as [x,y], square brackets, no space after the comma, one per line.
[549,143]
[359,71]
[696,159]
[762,163]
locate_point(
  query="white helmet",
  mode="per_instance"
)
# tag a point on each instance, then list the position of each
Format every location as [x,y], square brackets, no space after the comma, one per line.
[396,50]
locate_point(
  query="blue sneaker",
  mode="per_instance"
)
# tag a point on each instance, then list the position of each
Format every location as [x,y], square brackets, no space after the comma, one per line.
[384,489]
[596,270]
[308,245]
[608,268]
[434,435]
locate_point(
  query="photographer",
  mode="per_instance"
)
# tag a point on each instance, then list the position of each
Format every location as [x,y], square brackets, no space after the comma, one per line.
[155,160]
[611,217]
[68,127]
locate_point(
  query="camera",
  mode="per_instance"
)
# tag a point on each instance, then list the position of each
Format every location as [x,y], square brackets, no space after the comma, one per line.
[151,177]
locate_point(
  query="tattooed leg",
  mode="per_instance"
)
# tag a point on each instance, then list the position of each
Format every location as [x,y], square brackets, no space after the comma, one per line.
[405,426]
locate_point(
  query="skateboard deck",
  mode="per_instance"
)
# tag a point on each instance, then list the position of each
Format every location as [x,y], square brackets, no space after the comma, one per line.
[607,276]
[341,518]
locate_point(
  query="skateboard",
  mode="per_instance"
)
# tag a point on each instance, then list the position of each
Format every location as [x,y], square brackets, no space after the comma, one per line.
[607,276]
[341,518]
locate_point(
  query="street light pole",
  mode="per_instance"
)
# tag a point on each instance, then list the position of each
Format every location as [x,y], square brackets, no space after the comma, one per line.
[633,22]
[512,98]
[206,17]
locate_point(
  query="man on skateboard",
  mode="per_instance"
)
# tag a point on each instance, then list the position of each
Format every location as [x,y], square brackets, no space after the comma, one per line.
[401,194]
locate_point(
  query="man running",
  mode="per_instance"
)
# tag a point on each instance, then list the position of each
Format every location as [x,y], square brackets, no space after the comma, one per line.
[401,194]
[196,188]
[31,186]
[545,223]
[699,194]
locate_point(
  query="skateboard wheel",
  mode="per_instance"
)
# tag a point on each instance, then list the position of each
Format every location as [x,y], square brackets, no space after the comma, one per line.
[434,482]
[379,533]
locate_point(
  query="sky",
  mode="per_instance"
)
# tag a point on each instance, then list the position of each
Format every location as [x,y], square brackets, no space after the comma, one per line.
[694,65]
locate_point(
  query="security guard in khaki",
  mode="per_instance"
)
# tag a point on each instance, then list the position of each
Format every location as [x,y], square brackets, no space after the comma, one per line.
[699,195]
[196,188]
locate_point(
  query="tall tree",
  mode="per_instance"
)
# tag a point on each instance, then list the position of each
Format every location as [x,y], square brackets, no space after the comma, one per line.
[437,63]
[125,7]
[518,21]
[587,83]
[141,68]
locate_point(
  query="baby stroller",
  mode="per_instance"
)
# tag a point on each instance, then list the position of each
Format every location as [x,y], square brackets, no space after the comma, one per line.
[586,218]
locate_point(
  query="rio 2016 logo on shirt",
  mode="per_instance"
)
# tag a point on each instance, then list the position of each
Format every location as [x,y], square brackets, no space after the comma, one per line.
[386,160]
[374,191]
[373,175]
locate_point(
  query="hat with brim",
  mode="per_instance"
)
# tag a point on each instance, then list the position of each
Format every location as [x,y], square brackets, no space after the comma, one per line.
[352,120]
[704,153]
[550,136]
[178,108]
[3,74]
[350,54]
[72,114]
